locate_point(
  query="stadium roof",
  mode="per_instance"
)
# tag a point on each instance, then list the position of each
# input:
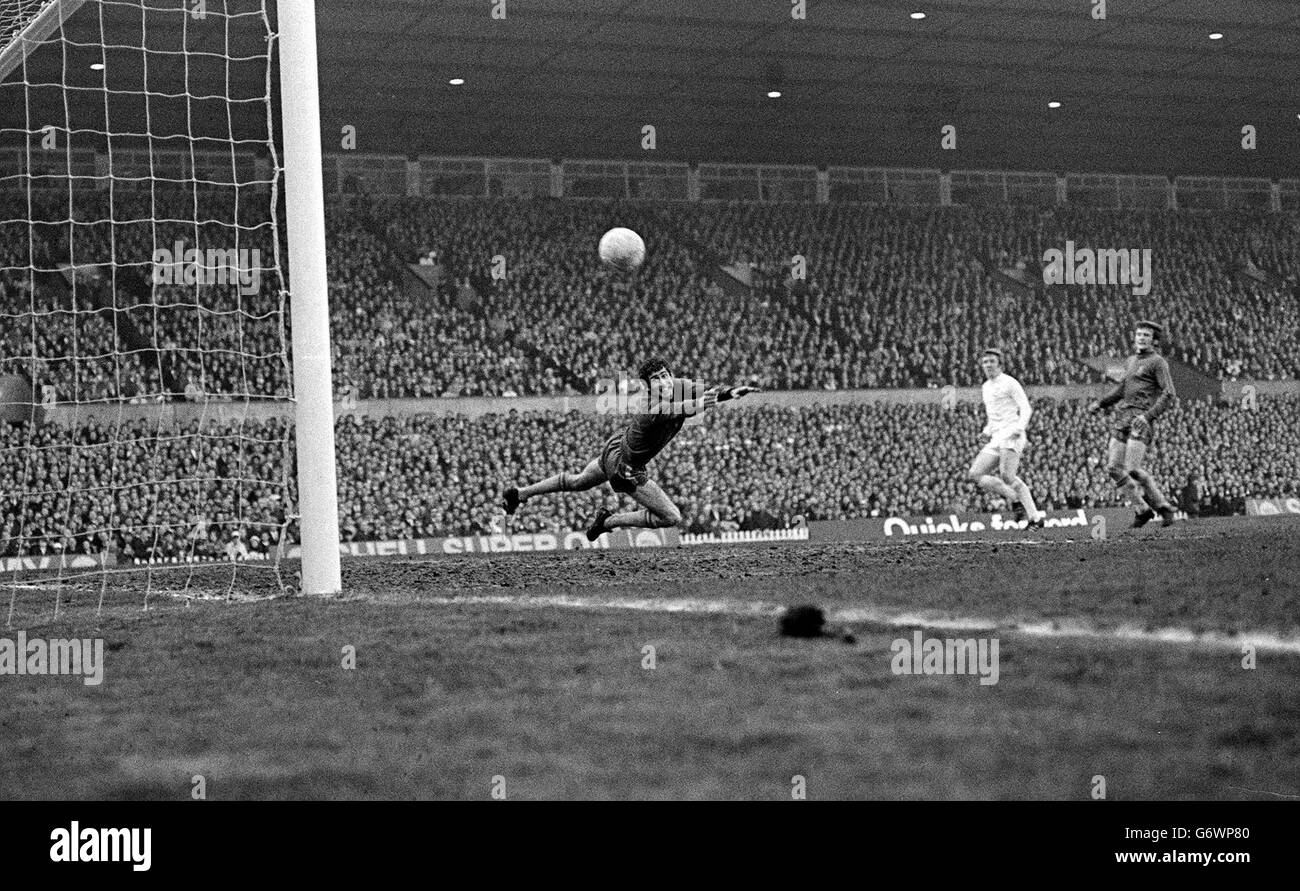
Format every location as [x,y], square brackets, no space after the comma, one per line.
[1144,90]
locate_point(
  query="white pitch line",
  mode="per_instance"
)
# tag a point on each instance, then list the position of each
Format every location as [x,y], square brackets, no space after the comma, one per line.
[1066,628]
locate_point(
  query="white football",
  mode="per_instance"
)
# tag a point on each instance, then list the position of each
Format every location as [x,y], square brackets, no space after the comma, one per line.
[622,249]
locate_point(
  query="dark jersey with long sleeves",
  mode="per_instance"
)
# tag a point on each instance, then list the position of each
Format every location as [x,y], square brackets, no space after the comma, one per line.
[649,431]
[1146,386]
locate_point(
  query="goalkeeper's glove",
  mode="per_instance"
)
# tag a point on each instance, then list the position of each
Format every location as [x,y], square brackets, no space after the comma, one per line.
[714,395]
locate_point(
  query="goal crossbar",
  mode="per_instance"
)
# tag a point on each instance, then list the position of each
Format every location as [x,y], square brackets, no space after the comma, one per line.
[47,20]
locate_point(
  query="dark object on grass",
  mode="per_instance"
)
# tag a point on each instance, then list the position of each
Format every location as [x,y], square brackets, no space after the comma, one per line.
[803,621]
[810,621]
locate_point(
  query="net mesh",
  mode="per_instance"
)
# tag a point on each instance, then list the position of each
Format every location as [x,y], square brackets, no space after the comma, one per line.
[144,370]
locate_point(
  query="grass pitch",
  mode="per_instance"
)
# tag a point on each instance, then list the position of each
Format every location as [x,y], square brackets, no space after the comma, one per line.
[454,697]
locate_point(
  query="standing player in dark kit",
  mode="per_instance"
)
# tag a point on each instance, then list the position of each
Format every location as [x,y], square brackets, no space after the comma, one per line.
[1144,393]
[624,459]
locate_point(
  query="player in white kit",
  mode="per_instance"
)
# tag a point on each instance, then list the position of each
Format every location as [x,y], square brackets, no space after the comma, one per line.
[1008,412]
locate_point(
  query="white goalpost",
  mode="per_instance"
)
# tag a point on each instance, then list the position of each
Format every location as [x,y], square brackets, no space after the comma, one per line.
[166,401]
[305,212]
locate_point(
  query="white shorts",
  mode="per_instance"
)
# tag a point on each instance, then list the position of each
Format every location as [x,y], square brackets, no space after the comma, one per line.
[1014,443]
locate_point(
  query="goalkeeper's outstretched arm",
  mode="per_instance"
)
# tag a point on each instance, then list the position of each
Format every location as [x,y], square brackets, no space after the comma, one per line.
[709,398]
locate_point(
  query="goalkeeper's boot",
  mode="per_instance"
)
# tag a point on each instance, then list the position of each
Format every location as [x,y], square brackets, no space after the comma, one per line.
[1142,518]
[1018,511]
[597,528]
[512,501]
[1166,516]
[1037,522]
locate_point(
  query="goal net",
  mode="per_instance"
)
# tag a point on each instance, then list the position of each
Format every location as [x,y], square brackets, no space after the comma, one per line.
[148,399]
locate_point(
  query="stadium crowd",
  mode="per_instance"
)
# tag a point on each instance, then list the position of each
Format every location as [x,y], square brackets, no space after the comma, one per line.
[916,293]
[222,488]
[517,304]
[389,344]
[85,320]
[892,297]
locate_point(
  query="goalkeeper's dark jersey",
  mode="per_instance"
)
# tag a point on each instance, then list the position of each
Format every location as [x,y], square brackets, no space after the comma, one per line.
[648,432]
[1146,386]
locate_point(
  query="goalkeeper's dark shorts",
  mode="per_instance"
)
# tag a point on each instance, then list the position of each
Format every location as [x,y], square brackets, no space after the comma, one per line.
[622,476]
[1123,428]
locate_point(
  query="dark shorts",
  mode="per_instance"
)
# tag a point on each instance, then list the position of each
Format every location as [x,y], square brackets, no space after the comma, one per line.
[622,477]
[1123,429]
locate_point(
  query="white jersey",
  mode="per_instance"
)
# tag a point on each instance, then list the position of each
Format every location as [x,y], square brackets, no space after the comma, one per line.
[1008,412]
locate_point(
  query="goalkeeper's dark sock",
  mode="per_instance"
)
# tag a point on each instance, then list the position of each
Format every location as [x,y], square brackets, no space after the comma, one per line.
[641,519]
[557,483]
